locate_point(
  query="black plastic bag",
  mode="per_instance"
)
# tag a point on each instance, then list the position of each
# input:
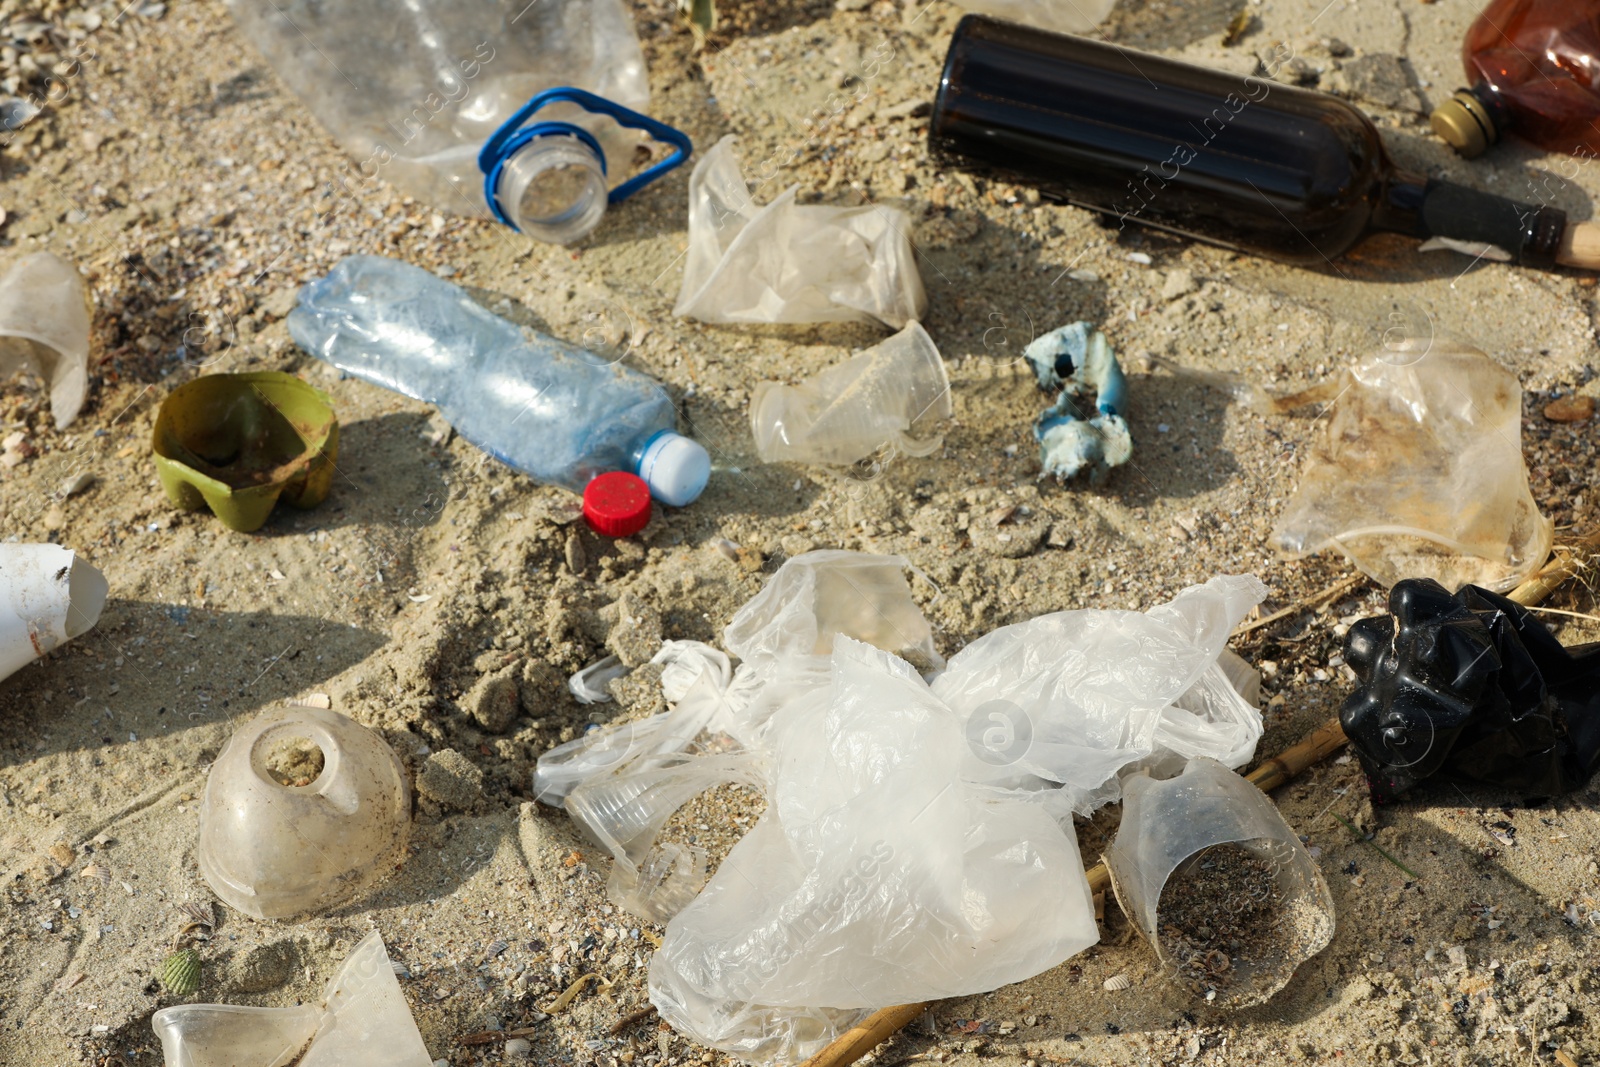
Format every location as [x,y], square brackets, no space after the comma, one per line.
[1472,687]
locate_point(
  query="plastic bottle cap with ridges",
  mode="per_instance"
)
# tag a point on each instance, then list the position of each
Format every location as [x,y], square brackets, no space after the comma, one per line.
[616,504]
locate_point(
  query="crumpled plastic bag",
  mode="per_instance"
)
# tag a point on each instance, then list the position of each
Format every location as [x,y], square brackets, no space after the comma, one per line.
[44,329]
[792,263]
[1417,472]
[918,839]
[1061,16]
[890,396]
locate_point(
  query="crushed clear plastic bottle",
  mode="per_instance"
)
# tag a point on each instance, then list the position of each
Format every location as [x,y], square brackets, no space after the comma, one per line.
[412,92]
[550,409]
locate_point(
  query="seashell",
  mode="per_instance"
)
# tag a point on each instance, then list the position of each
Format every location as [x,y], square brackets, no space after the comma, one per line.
[199,913]
[729,549]
[495,949]
[180,972]
[1118,982]
[518,1047]
[400,969]
[97,872]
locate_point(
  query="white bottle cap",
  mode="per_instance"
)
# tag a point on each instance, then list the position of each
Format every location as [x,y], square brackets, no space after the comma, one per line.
[675,468]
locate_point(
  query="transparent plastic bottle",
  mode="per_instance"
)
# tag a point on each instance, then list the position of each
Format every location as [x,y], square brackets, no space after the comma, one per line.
[414,92]
[540,405]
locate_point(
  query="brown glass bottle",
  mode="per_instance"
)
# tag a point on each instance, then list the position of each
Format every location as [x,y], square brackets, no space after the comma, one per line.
[1534,69]
[1242,162]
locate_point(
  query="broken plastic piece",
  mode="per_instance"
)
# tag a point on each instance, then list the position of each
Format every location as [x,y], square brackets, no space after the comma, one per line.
[49,596]
[44,329]
[363,1021]
[792,263]
[1077,359]
[1471,687]
[888,796]
[1417,472]
[239,443]
[592,684]
[1167,826]
[890,396]
[304,810]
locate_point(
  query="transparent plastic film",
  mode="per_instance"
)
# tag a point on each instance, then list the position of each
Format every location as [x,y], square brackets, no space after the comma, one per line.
[1417,472]
[1177,832]
[792,263]
[44,329]
[362,1021]
[892,396]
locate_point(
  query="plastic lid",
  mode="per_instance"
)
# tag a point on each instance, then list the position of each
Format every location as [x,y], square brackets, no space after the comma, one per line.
[616,504]
[1464,124]
[675,468]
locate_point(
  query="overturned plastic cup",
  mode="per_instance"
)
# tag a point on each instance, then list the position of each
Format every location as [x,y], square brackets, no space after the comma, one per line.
[239,443]
[48,596]
[1219,884]
[304,810]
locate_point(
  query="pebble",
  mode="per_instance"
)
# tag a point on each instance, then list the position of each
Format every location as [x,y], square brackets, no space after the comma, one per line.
[1570,409]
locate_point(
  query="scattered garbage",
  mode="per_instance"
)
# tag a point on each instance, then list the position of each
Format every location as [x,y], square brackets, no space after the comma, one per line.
[44,329]
[1531,67]
[1238,160]
[788,262]
[1219,883]
[1059,16]
[532,116]
[304,810]
[1471,687]
[1077,359]
[362,1021]
[51,597]
[889,796]
[547,408]
[890,396]
[1417,472]
[239,443]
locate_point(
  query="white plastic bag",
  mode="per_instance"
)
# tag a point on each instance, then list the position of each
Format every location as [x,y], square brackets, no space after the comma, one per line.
[918,840]
[44,328]
[1417,472]
[1062,16]
[792,263]
[890,396]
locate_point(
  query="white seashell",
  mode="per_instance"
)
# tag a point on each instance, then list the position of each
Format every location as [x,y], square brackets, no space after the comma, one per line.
[97,872]
[518,1047]
[1118,982]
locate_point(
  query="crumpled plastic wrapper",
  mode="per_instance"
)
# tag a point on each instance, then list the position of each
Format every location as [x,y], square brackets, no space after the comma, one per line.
[1062,16]
[1078,360]
[44,329]
[1417,472]
[918,840]
[792,263]
[889,397]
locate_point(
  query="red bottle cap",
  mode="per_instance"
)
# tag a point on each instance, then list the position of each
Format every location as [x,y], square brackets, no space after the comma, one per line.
[616,504]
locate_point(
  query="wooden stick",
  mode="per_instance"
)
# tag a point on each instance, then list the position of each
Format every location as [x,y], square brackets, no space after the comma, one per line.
[1317,746]
[1580,246]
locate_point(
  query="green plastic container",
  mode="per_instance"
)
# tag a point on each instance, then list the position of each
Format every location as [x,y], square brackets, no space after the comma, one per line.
[238,443]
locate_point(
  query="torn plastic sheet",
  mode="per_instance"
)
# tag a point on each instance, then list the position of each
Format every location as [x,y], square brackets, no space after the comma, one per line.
[363,1021]
[1077,359]
[44,329]
[1471,687]
[1417,472]
[592,685]
[918,839]
[793,263]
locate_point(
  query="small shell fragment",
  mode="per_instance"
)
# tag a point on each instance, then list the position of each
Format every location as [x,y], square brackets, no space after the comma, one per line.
[97,872]
[729,549]
[518,1047]
[311,700]
[180,972]
[1118,982]
[76,484]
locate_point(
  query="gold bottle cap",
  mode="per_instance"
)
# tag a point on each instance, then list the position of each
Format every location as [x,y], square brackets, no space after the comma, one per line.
[1464,124]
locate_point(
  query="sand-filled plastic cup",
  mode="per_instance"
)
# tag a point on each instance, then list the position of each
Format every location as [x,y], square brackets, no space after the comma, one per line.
[239,443]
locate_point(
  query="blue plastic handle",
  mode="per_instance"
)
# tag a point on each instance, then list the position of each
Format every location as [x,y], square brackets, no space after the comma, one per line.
[513,134]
